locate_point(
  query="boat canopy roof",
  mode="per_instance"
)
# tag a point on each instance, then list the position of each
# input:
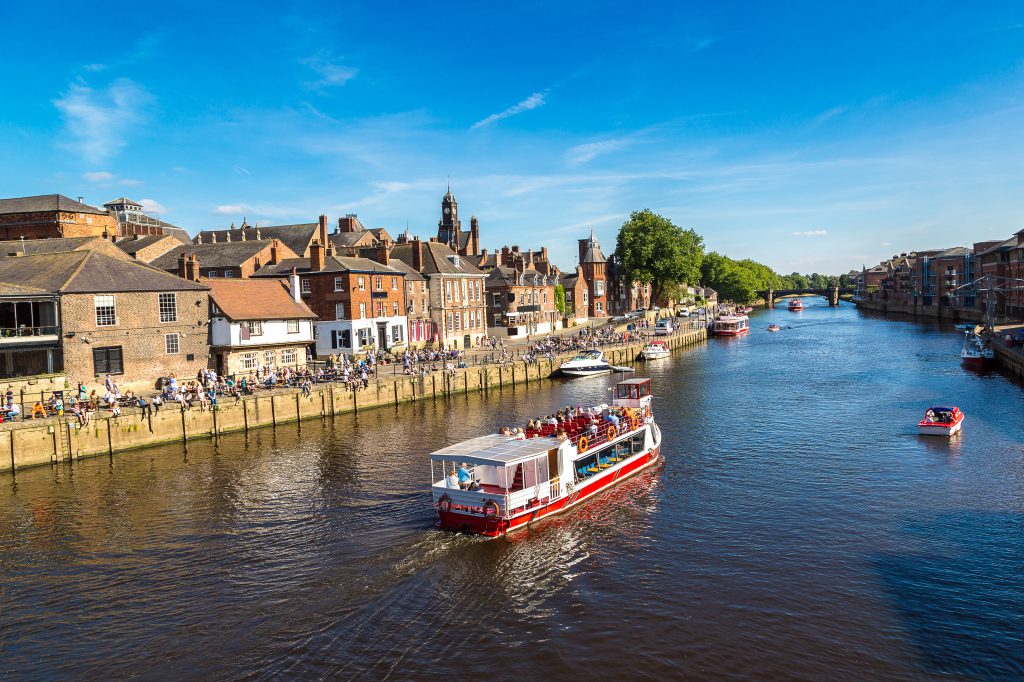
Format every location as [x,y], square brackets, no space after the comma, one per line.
[731,318]
[942,408]
[495,450]
[657,343]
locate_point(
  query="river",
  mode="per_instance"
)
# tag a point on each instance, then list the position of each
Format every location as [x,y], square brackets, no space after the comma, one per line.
[798,528]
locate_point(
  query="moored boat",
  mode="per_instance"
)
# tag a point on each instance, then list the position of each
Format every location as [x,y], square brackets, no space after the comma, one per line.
[730,325]
[586,363]
[495,484]
[795,304]
[941,421]
[975,353]
[655,350]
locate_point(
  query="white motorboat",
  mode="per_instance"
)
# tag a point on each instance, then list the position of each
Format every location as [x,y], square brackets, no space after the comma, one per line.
[941,421]
[589,363]
[975,353]
[655,350]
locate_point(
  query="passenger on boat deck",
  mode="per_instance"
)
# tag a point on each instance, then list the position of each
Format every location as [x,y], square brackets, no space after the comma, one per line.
[561,435]
[592,429]
[520,435]
[613,418]
[929,416]
[531,425]
[552,421]
[503,431]
[464,478]
[453,479]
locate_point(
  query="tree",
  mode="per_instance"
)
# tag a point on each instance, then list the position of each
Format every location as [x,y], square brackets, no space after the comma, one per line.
[560,299]
[652,250]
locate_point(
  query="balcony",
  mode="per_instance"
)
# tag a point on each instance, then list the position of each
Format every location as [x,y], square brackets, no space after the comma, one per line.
[23,334]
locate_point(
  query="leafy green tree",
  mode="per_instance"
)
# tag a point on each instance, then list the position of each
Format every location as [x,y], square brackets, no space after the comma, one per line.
[652,250]
[560,299]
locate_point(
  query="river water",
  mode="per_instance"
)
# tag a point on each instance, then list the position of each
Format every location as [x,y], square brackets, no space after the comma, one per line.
[798,529]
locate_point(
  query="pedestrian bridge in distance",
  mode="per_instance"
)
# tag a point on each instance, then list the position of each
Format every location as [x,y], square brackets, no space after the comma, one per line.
[831,294]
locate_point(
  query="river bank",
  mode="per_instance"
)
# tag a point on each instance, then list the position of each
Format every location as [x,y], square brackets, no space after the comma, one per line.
[30,443]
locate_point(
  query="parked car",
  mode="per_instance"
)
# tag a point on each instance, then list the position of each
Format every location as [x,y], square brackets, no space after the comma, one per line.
[663,327]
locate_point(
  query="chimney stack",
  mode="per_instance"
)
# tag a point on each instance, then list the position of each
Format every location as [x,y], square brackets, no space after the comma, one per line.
[192,268]
[182,259]
[382,253]
[316,256]
[506,256]
[275,252]
[330,250]
[322,231]
[417,254]
[293,285]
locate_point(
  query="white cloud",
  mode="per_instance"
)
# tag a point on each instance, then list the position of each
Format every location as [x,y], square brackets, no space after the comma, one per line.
[242,170]
[532,102]
[828,115]
[811,233]
[95,67]
[231,209]
[105,178]
[584,153]
[886,243]
[99,120]
[153,206]
[331,73]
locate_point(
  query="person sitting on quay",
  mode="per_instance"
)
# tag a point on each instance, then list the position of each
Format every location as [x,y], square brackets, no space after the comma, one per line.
[38,411]
[115,410]
[12,410]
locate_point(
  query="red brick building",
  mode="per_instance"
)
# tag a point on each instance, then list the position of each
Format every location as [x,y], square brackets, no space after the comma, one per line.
[239,259]
[594,266]
[53,216]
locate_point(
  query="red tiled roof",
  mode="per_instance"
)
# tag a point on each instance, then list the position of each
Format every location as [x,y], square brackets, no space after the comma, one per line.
[256,299]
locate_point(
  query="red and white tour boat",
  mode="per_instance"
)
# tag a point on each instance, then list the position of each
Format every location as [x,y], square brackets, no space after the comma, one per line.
[495,484]
[730,325]
[795,304]
[941,421]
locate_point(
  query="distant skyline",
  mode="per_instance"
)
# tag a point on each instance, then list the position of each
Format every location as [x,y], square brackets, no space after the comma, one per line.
[813,137]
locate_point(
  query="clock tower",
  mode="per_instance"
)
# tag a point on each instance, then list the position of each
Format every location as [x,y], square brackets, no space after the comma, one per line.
[449,227]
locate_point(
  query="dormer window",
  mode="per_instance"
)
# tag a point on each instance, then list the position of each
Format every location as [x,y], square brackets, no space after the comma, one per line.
[456,261]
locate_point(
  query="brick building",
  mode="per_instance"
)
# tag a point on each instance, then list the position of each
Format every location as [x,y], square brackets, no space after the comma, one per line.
[521,301]
[422,329]
[297,237]
[88,315]
[360,302]
[577,296]
[456,288]
[594,266]
[53,215]
[625,296]
[147,248]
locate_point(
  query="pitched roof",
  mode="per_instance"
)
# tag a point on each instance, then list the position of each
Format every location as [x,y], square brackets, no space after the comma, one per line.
[256,299]
[438,258]
[295,237]
[87,272]
[504,276]
[592,254]
[46,202]
[219,255]
[410,272]
[30,247]
[331,264]
[132,245]
[350,239]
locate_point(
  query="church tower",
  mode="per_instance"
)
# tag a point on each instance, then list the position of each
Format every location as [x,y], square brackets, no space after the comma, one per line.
[449,227]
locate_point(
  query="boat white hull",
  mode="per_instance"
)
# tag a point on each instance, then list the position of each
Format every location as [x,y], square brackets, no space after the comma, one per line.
[585,371]
[658,355]
[939,429]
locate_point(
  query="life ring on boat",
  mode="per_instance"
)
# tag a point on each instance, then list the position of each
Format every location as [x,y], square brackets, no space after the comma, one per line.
[444,503]
[491,508]
[582,445]
[611,432]
[634,422]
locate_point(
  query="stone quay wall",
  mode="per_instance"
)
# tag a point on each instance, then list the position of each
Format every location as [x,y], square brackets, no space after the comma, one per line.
[51,441]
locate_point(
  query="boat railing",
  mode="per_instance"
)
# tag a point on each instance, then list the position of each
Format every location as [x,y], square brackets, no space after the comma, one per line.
[472,500]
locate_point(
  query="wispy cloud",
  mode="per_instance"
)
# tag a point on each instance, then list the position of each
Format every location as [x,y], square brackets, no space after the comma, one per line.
[692,45]
[231,209]
[242,170]
[588,151]
[532,102]
[332,73]
[810,233]
[99,120]
[828,115]
[886,243]
[106,179]
[153,206]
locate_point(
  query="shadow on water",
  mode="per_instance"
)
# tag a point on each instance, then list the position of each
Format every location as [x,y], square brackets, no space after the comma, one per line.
[962,603]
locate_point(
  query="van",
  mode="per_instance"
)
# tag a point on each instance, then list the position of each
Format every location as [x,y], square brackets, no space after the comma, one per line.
[663,328]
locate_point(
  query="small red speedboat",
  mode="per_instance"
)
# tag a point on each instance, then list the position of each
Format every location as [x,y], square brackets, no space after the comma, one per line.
[941,421]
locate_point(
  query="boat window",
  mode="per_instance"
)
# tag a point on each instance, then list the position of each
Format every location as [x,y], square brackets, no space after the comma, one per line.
[638,443]
[622,449]
[624,390]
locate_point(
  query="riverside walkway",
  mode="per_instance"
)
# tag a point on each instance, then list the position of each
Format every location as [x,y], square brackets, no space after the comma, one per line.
[53,440]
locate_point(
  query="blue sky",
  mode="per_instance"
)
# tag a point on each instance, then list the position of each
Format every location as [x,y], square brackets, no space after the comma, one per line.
[810,136]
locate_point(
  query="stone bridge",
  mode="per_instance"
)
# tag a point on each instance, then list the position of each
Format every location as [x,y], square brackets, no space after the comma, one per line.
[832,294]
